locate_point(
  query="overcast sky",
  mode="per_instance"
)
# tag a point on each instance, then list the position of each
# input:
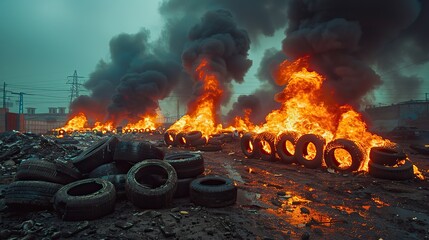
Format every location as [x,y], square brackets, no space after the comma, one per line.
[44,41]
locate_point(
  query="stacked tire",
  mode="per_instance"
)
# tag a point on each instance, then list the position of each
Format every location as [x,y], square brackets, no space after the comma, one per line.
[389,163]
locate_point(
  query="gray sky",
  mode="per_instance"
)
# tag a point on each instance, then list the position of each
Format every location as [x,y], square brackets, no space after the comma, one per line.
[44,41]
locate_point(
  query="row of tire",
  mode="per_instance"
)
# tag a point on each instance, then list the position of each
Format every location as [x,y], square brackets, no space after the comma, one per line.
[87,187]
[197,140]
[289,147]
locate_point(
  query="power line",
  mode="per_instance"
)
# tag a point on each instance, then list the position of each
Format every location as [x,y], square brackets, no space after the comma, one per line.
[74,89]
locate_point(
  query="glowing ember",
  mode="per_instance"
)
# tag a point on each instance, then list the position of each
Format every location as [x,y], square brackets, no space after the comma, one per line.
[343,157]
[265,147]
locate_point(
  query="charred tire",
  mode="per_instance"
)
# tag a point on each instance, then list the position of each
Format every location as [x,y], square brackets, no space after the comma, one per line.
[192,136]
[219,137]
[134,152]
[227,136]
[385,156]
[104,170]
[269,138]
[197,142]
[246,141]
[96,155]
[170,137]
[186,164]
[30,194]
[183,186]
[301,150]
[40,170]
[86,199]
[213,191]
[210,147]
[351,147]
[402,172]
[119,182]
[419,148]
[180,139]
[143,192]
[285,155]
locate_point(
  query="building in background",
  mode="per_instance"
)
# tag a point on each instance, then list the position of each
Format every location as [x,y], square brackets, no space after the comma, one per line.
[44,122]
[11,121]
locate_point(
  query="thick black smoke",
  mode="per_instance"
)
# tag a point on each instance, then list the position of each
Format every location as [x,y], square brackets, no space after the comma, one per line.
[131,84]
[346,38]
[262,101]
[218,40]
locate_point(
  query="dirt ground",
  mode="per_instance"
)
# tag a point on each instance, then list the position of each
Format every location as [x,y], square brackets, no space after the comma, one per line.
[275,201]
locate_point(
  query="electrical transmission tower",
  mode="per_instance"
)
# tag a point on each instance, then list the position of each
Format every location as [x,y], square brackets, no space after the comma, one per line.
[74,82]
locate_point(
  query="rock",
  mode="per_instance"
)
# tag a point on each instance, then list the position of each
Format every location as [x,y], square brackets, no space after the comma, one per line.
[9,163]
[305,210]
[167,232]
[56,235]
[124,225]
[276,202]
[149,229]
[151,213]
[210,231]
[27,225]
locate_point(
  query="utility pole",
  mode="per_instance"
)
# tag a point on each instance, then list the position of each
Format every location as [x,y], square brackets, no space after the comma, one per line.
[74,82]
[21,106]
[4,94]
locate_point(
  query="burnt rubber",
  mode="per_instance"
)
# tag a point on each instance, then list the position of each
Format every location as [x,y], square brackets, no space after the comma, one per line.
[270,139]
[41,170]
[301,150]
[134,152]
[96,155]
[420,148]
[186,164]
[197,142]
[218,137]
[246,141]
[192,136]
[180,139]
[351,147]
[183,186]
[170,137]
[285,155]
[385,156]
[401,172]
[86,199]
[143,191]
[213,191]
[104,170]
[26,195]
[227,136]
[211,147]
[119,182]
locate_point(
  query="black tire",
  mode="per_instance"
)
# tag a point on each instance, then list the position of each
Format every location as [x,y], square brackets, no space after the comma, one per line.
[386,156]
[26,195]
[270,139]
[183,186]
[355,151]
[40,170]
[197,142]
[186,164]
[104,170]
[213,191]
[143,192]
[210,148]
[419,148]
[170,137]
[402,172]
[227,136]
[98,154]
[214,138]
[180,139]
[246,142]
[118,181]
[86,199]
[192,136]
[285,155]
[134,152]
[301,150]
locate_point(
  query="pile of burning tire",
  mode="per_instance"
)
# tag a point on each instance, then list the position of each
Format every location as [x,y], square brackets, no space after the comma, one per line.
[195,139]
[87,187]
[289,147]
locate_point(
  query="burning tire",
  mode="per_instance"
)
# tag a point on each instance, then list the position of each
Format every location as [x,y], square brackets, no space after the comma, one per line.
[349,162]
[401,172]
[216,138]
[213,191]
[265,144]
[309,150]
[194,139]
[180,139]
[30,194]
[134,152]
[285,146]
[186,164]
[85,199]
[40,170]
[385,156]
[248,147]
[183,186]
[143,191]
[170,137]
[96,155]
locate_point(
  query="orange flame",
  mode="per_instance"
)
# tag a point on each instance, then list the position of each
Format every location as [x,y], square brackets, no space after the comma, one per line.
[78,122]
[202,117]
[145,123]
